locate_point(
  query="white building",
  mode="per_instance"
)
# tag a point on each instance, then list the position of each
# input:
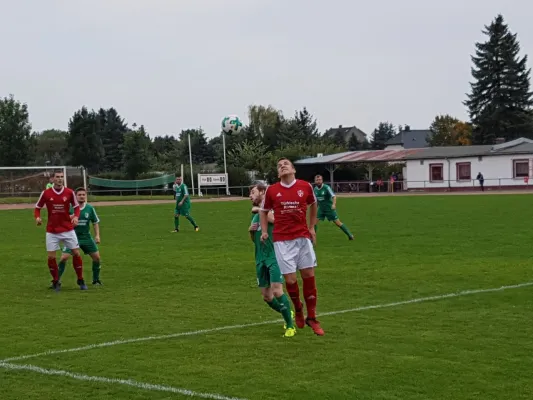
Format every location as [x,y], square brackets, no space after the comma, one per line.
[507,165]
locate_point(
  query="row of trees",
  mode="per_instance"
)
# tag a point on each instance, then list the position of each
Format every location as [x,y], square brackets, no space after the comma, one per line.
[499,105]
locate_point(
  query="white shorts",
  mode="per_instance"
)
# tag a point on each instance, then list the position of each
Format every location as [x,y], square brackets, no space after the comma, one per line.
[69,240]
[294,255]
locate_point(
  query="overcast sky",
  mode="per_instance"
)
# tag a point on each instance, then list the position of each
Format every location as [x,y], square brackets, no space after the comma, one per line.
[176,64]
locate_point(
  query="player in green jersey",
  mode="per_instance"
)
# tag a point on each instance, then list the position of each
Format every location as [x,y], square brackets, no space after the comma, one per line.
[88,244]
[50,182]
[183,205]
[269,276]
[327,205]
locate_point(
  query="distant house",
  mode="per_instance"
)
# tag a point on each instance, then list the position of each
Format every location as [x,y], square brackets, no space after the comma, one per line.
[409,139]
[346,132]
[504,165]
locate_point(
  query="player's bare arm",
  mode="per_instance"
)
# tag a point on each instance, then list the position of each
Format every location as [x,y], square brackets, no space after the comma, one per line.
[313,220]
[334,205]
[271,217]
[263,215]
[256,209]
[96,233]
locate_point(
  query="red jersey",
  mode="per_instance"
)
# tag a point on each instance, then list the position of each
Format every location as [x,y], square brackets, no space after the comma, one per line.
[58,205]
[289,203]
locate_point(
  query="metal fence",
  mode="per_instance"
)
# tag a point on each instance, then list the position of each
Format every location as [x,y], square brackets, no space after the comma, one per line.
[338,187]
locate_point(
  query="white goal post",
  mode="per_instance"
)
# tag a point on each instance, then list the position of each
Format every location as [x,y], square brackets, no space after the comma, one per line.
[32,180]
[213,180]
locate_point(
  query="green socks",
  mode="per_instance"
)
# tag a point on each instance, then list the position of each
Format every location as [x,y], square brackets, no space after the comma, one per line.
[61,267]
[345,230]
[191,220]
[96,271]
[176,223]
[274,304]
[283,306]
[285,310]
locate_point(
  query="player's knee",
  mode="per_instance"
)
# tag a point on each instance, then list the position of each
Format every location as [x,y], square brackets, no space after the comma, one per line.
[96,257]
[307,272]
[290,279]
[277,290]
[268,297]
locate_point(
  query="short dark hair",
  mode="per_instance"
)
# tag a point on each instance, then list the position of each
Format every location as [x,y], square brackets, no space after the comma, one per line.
[58,171]
[80,189]
[261,186]
[318,175]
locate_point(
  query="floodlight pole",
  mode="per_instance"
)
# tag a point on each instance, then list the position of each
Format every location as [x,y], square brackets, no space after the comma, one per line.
[225,166]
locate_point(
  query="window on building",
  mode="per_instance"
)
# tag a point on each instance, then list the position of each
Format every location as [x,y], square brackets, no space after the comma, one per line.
[463,171]
[520,168]
[436,172]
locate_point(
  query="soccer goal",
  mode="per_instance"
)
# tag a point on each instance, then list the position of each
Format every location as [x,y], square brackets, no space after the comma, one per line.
[29,182]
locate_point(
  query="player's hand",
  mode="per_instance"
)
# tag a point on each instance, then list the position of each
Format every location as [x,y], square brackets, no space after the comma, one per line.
[255,209]
[38,221]
[333,207]
[313,235]
[180,204]
[97,239]
[74,220]
[264,236]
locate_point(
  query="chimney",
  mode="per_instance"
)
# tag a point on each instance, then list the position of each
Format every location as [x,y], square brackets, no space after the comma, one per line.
[499,140]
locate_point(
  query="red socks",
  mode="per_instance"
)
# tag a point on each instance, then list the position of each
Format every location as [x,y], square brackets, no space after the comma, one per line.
[294,293]
[52,266]
[310,295]
[78,266]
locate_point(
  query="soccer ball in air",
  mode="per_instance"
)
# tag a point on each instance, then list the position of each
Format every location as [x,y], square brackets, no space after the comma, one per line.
[231,124]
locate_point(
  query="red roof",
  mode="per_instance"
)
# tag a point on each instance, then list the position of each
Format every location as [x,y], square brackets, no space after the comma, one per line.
[375,156]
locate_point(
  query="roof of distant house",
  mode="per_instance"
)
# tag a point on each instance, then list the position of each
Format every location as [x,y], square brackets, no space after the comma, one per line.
[517,146]
[411,139]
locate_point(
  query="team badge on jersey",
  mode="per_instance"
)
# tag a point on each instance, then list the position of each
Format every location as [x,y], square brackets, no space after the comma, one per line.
[64,198]
[301,193]
[86,215]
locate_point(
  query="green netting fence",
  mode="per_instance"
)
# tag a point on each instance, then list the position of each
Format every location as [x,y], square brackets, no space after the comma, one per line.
[132,184]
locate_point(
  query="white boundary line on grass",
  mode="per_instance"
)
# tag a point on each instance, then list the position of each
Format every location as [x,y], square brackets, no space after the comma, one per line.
[126,382]
[230,327]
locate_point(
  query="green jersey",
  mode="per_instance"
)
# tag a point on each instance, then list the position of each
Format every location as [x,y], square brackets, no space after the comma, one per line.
[181,192]
[87,215]
[324,196]
[264,252]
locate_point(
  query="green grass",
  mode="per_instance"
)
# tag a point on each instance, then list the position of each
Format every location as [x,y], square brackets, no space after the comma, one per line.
[93,198]
[471,347]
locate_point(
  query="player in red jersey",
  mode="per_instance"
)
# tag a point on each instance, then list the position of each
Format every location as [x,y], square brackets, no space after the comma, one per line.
[60,227]
[293,238]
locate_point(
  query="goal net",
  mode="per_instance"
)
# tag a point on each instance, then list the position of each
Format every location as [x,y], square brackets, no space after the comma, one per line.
[29,182]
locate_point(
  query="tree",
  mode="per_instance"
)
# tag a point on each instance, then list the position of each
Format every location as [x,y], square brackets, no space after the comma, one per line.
[500,100]
[111,129]
[201,151]
[354,144]
[267,124]
[305,127]
[137,152]
[449,131]
[84,145]
[50,146]
[384,132]
[251,155]
[166,153]
[15,133]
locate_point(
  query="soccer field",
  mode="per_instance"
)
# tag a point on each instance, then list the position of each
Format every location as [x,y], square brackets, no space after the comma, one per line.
[433,300]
